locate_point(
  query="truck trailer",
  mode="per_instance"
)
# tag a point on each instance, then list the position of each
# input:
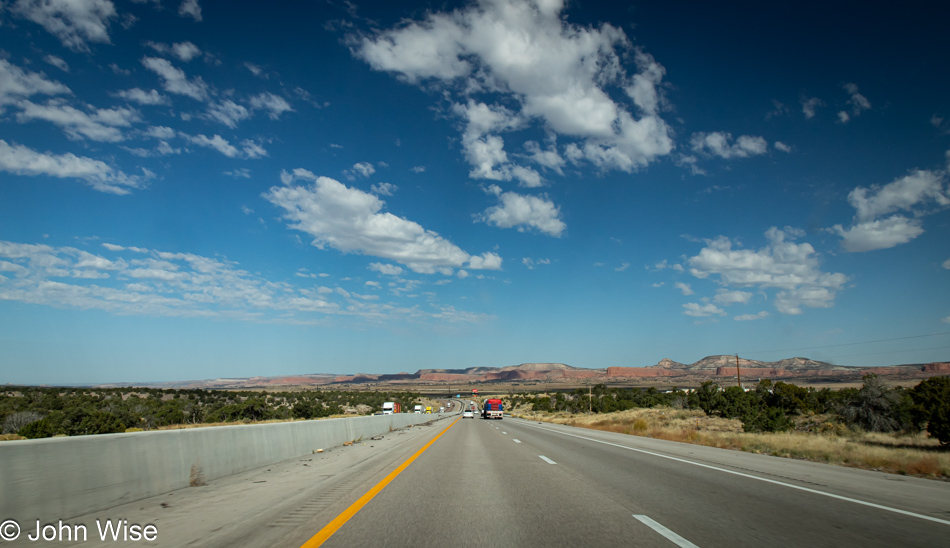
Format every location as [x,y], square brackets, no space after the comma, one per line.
[492,410]
[391,407]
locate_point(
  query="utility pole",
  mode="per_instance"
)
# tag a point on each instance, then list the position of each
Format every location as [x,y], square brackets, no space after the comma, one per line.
[590,398]
[738,377]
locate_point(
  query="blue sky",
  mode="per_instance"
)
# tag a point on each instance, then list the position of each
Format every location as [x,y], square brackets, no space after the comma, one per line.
[197,190]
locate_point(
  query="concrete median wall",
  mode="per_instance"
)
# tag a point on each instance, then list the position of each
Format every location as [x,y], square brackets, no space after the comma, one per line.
[61,478]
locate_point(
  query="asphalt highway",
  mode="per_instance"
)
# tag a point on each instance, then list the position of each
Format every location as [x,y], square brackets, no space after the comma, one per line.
[516,483]
[519,483]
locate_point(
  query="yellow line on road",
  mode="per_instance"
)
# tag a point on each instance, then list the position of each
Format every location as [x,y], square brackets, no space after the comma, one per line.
[333,526]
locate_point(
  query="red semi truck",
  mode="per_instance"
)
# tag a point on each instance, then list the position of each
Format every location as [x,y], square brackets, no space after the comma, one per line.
[492,409]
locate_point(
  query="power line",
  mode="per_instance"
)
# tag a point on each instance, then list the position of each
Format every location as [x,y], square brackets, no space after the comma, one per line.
[847,344]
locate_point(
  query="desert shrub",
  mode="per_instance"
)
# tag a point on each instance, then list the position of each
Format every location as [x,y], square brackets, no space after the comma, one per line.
[932,406]
[876,407]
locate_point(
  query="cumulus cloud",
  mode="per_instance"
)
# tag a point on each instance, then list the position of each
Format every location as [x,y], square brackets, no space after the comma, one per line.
[227,112]
[537,68]
[22,160]
[703,310]
[136,281]
[386,269]
[720,144]
[17,84]
[879,234]
[684,288]
[275,105]
[190,8]
[750,317]
[57,62]
[911,193]
[174,79]
[523,212]
[809,106]
[352,221]
[857,101]
[184,51]
[782,265]
[74,23]
[726,297]
[363,169]
[946,264]
[779,145]
[135,95]
[384,189]
[97,125]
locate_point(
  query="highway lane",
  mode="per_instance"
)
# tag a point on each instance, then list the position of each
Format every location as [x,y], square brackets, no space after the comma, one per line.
[478,486]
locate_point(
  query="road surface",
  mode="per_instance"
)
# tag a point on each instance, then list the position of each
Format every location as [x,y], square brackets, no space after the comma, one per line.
[521,483]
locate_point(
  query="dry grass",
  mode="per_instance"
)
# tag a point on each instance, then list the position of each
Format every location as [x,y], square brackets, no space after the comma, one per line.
[915,455]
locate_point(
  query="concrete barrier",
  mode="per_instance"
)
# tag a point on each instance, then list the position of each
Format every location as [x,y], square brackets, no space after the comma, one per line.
[62,478]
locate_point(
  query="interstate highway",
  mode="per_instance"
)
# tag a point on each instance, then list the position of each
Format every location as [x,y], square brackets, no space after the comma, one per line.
[519,483]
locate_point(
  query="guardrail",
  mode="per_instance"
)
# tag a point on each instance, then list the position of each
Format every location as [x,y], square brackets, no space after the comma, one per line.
[63,478]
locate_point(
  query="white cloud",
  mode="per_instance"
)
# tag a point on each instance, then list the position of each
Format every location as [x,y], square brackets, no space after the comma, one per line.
[350,220]
[462,274]
[275,105]
[909,193]
[622,267]
[216,142]
[685,288]
[843,117]
[252,150]
[809,106]
[779,145]
[73,22]
[782,264]
[362,168]
[57,62]
[186,51]
[17,84]
[946,264]
[719,144]
[174,79]
[879,234]
[418,169]
[136,95]
[384,189]
[240,173]
[386,269]
[190,8]
[902,194]
[550,71]
[726,297]
[227,112]
[97,125]
[703,310]
[522,212]
[184,285]
[21,160]
[749,317]
[255,70]
[857,101]
[531,263]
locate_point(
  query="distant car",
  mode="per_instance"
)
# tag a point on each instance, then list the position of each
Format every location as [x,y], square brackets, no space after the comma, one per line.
[468,415]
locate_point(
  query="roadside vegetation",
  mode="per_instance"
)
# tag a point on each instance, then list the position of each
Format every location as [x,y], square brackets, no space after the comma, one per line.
[898,430]
[41,412]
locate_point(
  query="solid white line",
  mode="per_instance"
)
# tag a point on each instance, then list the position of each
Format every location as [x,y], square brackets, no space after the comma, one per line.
[673,537]
[547,460]
[516,441]
[806,489]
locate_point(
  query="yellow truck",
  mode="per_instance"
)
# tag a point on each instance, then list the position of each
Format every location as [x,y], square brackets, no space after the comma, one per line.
[428,410]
